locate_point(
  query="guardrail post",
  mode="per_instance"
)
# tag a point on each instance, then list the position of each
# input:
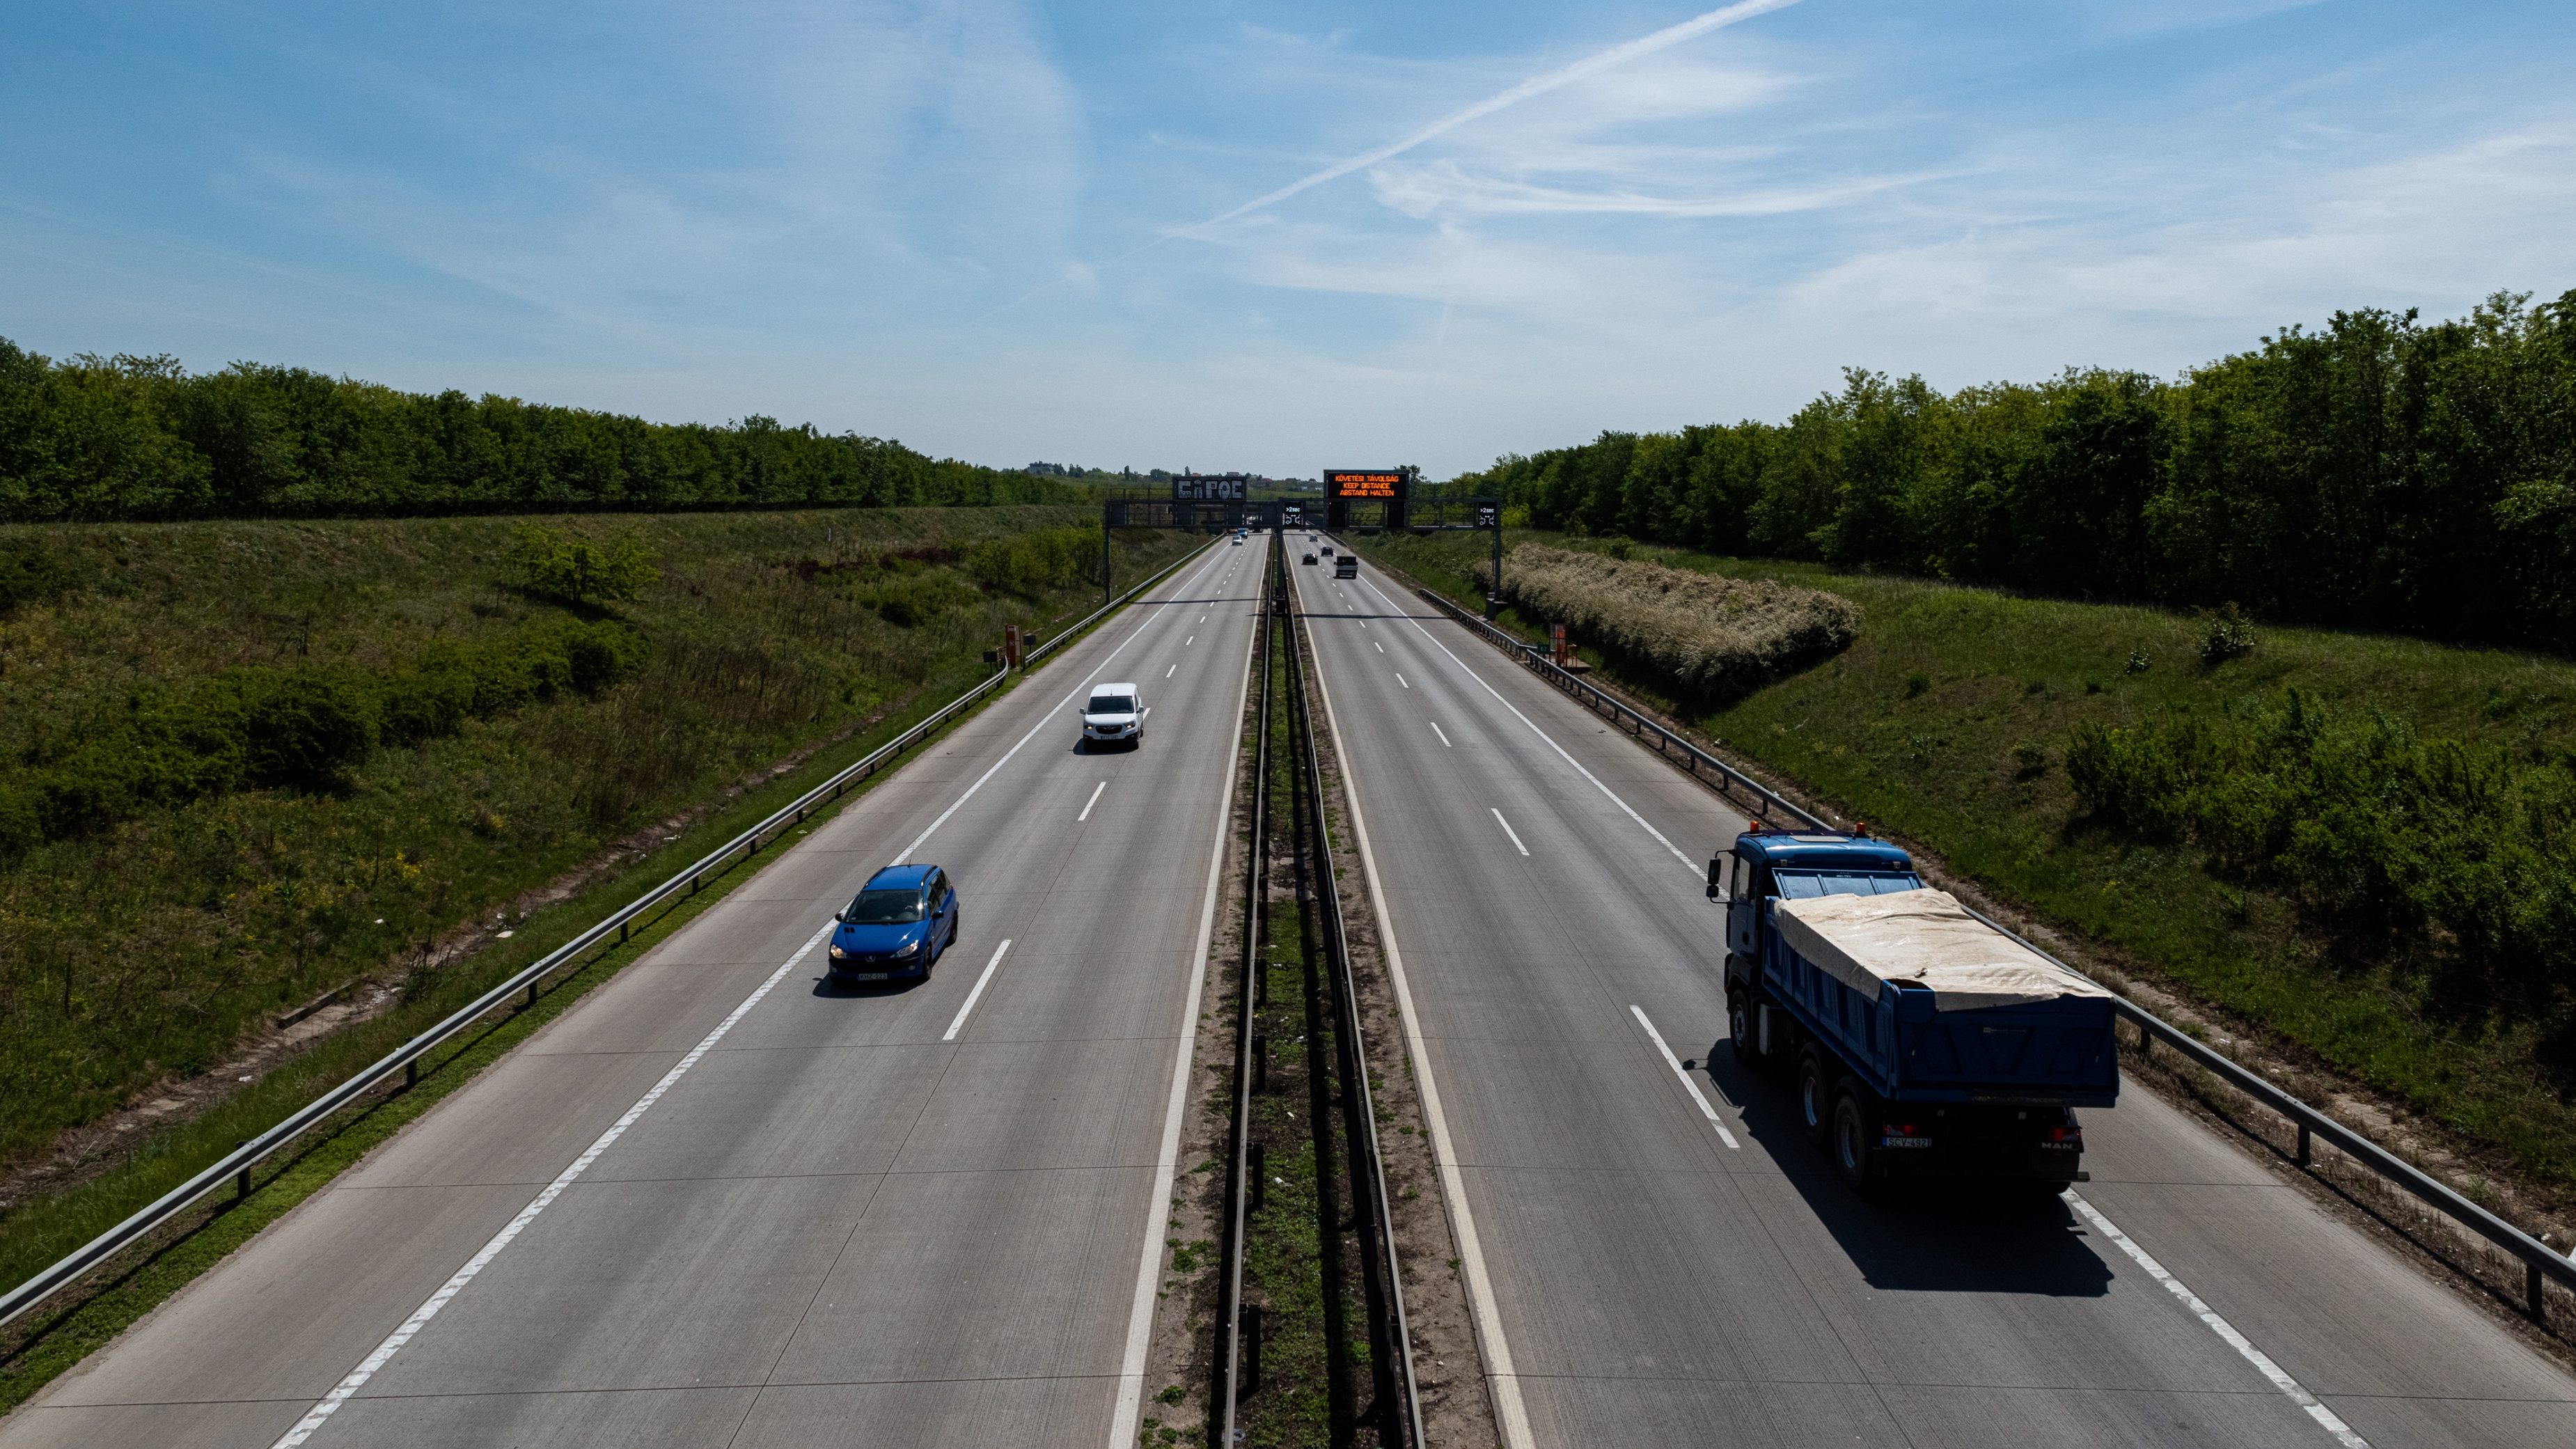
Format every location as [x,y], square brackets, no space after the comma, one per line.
[2533,1289]
[411,1074]
[2307,1148]
[532,995]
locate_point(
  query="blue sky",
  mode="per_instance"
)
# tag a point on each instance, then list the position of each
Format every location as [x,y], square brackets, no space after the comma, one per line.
[1009,231]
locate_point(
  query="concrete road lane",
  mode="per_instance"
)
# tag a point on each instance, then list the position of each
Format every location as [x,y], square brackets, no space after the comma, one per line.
[1655,1284]
[863,1216]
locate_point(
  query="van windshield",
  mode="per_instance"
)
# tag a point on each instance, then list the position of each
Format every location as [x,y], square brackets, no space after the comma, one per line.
[1113,704]
[884,908]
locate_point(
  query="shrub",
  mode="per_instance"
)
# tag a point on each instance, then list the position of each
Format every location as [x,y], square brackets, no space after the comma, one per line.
[301,728]
[1030,563]
[2228,635]
[570,570]
[1716,637]
[31,572]
[2361,821]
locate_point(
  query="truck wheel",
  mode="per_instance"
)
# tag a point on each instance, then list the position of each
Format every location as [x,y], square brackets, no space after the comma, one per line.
[1815,1101]
[1739,1029]
[1851,1142]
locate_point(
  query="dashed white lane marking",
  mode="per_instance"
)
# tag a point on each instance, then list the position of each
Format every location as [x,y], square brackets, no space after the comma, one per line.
[1508,830]
[1400,679]
[1169,672]
[1444,734]
[919,840]
[1193,639]
[977,994]
[1660,838]
[1380,648]
[1087,804]
[367,1368]
[2326,1418]
[1697,1095]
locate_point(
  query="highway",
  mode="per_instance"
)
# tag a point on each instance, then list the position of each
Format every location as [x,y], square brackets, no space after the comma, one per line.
[719,1202]
[1649,1271]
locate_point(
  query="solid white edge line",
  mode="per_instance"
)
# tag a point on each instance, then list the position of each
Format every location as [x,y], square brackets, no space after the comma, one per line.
[343,1391]
[1443,734]
[2280,1377]
[1697,1095]
[924,837]
[977,994]
[1087,804]
[1641,820]
[1508,830]
[1158,1216]
[1502,1384]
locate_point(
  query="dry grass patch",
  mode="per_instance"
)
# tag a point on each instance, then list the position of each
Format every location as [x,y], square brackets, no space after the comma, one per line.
[1713,637]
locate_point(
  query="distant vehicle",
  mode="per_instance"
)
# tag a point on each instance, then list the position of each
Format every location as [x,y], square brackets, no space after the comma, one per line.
[1924,1041]
[898,925]
[1310,558]
[1326,550]
[1238,540]
[1115,714]
[1346,567]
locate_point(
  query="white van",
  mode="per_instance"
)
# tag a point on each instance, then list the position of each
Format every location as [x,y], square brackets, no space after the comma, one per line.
[1115,714]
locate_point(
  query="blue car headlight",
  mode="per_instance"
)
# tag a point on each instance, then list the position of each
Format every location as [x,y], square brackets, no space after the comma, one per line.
[906,949]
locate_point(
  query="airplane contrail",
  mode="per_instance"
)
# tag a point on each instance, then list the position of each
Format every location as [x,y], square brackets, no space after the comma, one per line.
[1590,65]
[1538,85]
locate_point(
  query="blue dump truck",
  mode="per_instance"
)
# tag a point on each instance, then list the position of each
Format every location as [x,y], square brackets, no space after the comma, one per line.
[1923,1041]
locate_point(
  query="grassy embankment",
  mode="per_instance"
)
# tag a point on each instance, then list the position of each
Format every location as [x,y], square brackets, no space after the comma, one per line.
[146,938]
[1948,720]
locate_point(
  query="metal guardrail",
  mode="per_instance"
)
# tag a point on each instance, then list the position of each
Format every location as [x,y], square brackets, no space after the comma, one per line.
[2541,1263]
[236,1165]
[1391,1338]
[1239,1173]
[1696,762]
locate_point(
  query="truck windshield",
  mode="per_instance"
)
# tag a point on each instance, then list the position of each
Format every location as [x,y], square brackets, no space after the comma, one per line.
[884,908]
[1113,704]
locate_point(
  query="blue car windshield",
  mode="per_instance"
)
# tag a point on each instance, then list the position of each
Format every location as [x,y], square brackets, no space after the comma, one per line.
[884,908]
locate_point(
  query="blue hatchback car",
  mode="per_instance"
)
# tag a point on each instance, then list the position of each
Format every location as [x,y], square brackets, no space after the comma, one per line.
[896,926]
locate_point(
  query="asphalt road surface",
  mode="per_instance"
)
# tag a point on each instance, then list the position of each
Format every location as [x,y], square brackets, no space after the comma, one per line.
[910,1216]
[1664,1275]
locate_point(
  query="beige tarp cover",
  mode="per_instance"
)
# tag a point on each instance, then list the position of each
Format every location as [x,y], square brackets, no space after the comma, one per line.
[1923,937]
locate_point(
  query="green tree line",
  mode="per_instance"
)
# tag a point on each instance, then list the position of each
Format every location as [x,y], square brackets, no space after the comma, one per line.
[2382,472]
[143,438]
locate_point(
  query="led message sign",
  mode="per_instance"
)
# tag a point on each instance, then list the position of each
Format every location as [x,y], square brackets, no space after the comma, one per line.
[1370,483]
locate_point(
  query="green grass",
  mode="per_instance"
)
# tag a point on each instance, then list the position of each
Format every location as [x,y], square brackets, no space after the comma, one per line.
[37,1348]
[1946,723]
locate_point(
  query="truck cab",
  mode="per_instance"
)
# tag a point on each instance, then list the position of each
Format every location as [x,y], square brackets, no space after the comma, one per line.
[1923,1040]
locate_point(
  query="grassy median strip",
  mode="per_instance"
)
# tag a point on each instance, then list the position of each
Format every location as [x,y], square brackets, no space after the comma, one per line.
[85,1316]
